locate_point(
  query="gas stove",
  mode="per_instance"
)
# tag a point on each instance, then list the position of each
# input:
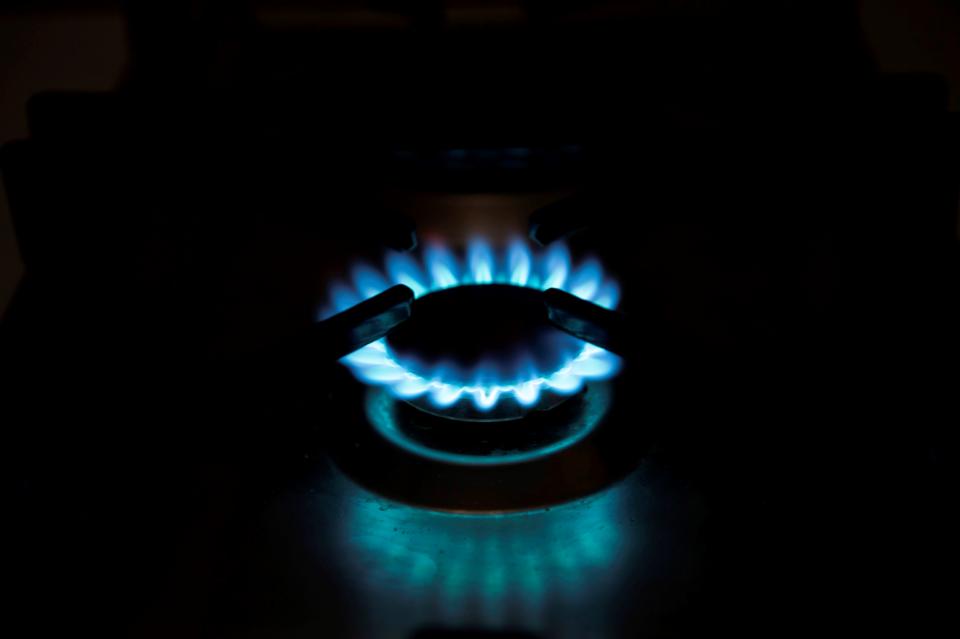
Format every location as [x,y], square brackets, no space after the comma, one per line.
[485,483]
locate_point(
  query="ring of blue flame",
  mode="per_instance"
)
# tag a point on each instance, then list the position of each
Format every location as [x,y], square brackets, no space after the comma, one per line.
[440,268]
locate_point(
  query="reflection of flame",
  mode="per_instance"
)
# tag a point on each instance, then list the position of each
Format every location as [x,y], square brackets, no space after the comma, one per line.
[441,269]
[551,571]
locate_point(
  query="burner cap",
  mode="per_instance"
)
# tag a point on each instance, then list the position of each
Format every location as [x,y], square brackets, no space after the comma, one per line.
[483,333]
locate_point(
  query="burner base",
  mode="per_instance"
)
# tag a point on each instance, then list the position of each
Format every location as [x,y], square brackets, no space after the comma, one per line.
[469,443]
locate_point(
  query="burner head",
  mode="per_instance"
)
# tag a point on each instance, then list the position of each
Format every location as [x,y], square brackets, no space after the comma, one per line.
[481,334]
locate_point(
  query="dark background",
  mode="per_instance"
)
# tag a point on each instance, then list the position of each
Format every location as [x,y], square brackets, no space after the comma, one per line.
[82,45]
[780,209]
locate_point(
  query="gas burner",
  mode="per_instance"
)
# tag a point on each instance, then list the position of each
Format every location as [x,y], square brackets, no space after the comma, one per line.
[477,346]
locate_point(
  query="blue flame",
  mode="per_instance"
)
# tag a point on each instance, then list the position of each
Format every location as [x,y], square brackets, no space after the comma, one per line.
[441,269]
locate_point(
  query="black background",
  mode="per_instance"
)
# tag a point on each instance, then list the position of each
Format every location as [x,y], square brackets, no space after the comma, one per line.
[782,217]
